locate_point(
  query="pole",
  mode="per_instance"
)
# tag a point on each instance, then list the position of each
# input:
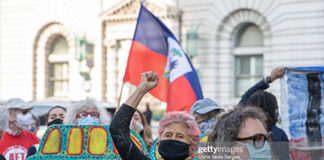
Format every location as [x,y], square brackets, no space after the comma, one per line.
[121,92]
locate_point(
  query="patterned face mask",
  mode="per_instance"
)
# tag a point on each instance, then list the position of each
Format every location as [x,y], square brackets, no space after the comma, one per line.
[208,125]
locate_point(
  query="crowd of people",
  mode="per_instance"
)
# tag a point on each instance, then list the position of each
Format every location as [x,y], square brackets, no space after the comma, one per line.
[248,131]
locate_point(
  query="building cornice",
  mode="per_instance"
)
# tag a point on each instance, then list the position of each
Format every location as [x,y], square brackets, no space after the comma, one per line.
[127,10]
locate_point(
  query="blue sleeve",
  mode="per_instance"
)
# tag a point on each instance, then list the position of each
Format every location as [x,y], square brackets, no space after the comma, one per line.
[261,85]
[283,136]
[280,143]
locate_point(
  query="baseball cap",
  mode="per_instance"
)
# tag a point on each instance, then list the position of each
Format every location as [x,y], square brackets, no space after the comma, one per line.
[203,106]
[17,103]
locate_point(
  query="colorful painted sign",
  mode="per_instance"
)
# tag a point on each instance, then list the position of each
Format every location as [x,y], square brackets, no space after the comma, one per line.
[302,106]
[81,142]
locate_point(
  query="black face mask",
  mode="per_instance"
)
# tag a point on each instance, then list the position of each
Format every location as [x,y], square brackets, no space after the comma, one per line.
[173,150]
[55,121]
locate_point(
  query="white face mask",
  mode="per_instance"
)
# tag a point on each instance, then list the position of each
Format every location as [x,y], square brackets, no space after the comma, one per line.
[139,125]
[24,121]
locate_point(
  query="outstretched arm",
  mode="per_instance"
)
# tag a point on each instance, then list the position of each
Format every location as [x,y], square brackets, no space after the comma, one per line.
[263,84]
[119,127]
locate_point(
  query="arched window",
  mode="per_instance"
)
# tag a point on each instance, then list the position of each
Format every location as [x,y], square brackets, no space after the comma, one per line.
[248,50]
[58,67]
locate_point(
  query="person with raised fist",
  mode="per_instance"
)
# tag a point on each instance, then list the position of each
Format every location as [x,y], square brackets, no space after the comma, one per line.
[178,131]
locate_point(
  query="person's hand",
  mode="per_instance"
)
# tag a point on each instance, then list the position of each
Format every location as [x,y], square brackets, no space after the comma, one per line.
[276,73]
[149,80]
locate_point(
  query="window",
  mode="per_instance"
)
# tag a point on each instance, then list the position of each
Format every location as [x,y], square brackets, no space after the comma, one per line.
[248,49]
[58,67]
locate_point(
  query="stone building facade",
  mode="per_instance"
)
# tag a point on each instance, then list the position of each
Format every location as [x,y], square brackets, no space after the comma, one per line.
[239,42]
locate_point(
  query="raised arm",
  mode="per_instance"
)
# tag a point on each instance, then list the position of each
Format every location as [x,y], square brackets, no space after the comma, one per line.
[149,80]
[119,127]
[263,84]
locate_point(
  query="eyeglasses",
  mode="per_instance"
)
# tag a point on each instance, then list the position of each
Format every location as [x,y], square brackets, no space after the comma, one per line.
[258,139]
[85,114]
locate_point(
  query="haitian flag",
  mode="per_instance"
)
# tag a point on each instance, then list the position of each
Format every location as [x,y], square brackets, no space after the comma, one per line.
[155,48]
[302,110]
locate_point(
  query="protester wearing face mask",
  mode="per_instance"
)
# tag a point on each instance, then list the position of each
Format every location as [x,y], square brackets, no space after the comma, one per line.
[86,112]
[178,136]
[3,124]
[17,139]
[178,131]
[205,111]
[54,116]
[243,131]
[141,127]
[257,97]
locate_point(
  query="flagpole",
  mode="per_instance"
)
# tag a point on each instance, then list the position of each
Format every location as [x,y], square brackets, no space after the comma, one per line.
[121,92]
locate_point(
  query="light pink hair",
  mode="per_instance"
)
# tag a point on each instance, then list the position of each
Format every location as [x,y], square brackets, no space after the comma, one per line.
[182,117]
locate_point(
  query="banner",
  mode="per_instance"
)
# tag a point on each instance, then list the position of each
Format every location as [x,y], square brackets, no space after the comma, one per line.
[302,111]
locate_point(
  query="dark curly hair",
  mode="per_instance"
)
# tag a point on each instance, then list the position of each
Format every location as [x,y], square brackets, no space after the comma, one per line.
[229,125]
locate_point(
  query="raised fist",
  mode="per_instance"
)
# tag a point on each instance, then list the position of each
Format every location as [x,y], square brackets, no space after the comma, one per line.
[149,80]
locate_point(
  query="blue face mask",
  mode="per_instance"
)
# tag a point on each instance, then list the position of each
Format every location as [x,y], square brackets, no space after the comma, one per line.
[88,121]
[207,126]
[263,153]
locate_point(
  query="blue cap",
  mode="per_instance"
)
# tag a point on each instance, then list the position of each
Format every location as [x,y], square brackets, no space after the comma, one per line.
[203,106]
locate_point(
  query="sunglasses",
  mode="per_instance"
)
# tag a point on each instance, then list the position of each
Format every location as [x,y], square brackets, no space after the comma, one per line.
[258,139]
[85,114]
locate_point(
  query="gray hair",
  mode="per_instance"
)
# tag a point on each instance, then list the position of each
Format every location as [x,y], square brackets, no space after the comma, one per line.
[73,110]
[3,118]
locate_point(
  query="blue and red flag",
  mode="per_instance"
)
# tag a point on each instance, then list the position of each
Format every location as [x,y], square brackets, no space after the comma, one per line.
[155,48]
